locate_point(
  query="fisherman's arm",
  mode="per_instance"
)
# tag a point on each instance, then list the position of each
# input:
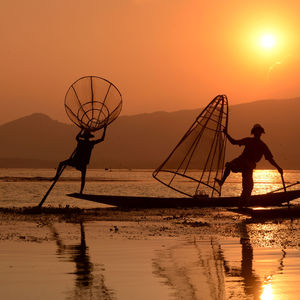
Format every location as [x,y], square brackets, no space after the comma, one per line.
[78,135]
[273,162]
[269,157]
[232,140]
[103,136]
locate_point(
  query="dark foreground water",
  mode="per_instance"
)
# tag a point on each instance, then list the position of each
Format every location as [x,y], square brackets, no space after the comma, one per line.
[93,261]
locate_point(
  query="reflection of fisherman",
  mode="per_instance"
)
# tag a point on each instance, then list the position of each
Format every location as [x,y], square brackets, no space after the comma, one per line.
[254,149]
[252,284]
[79,254]
[81,156]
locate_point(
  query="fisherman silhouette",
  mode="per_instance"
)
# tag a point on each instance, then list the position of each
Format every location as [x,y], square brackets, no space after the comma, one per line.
[254,149]
[82,154]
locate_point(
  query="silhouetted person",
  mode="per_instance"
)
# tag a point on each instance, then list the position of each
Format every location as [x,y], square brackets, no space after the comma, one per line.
[82,154]
[254,149]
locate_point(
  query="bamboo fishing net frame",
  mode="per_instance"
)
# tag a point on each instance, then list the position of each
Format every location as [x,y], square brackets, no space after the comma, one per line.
[92,102]
[186,163]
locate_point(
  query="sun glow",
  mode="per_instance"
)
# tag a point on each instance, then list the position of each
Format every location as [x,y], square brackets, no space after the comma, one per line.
[267,41]
[267,293]
[266,44]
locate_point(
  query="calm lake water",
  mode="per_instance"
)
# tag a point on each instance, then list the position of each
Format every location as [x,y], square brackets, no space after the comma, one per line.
[76,262]
[26,187]
[67,267]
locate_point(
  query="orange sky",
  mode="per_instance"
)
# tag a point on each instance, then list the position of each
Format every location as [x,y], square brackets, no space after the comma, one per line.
[161,54]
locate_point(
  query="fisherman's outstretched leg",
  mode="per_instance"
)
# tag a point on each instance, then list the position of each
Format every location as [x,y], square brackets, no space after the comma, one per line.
[225,175]
[83,172]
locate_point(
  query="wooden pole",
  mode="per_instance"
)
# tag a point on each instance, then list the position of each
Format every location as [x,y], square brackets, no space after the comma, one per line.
[284,187]
[51,187]
[283,183]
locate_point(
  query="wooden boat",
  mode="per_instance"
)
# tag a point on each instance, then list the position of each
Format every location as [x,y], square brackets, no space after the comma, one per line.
[264,200]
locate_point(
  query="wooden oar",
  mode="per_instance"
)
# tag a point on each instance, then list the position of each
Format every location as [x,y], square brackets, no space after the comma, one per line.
[51,187]
[284,187]
[54,182]
[283,183]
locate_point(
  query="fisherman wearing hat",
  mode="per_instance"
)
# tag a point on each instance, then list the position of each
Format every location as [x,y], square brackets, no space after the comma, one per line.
[81,155]
[254,149]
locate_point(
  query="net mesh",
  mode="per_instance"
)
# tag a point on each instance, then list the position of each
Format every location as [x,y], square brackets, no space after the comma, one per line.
[198,159]
[91,102]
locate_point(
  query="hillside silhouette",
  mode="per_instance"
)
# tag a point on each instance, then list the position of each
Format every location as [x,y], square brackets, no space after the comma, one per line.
[145,140]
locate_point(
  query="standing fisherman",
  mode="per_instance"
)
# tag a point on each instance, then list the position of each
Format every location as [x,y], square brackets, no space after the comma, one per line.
[82,154]
[254,149]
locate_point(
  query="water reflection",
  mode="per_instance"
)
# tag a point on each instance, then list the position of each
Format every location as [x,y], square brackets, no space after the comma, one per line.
[267,293]
[223,269]
[193,270]
[252,284]
[89,280]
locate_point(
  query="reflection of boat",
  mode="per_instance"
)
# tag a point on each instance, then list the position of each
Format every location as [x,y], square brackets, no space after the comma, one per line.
[270,199]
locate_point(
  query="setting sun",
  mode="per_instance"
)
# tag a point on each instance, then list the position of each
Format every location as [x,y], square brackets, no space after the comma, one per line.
[267,41]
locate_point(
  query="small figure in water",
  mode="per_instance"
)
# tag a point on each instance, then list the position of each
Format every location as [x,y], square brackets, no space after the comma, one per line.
[254,149]
[81,156]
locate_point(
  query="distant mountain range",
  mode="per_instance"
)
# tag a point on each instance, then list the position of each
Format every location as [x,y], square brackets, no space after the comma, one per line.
[144,140]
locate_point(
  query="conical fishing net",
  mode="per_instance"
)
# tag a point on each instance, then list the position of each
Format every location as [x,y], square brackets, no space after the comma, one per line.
[198,159]
[91,102]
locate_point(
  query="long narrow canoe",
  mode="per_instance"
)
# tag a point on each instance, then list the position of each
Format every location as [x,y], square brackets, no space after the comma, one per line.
[264,200]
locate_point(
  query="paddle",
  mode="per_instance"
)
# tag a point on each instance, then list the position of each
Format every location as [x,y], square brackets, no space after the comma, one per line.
[54,182]
[51,187]
[284,187]
[283,183]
